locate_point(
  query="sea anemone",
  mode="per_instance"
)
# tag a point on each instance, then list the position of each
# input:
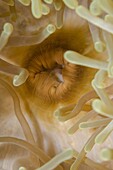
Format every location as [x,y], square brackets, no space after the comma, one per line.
[56,70]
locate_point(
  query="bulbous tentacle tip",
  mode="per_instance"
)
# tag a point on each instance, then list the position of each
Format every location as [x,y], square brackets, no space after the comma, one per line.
[5,35]
[21,78]
[106,154]
[51,28]
[22,168]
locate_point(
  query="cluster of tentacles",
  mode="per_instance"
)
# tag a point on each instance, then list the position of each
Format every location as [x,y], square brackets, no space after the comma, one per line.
[99,14]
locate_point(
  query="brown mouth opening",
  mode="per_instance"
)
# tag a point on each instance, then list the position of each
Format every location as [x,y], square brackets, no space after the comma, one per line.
[51,77]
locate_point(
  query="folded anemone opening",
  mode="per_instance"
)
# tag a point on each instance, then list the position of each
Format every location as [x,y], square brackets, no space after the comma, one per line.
[56,70]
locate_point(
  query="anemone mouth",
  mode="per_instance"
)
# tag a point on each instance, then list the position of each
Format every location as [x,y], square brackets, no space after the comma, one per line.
[61,81]
[53,74]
